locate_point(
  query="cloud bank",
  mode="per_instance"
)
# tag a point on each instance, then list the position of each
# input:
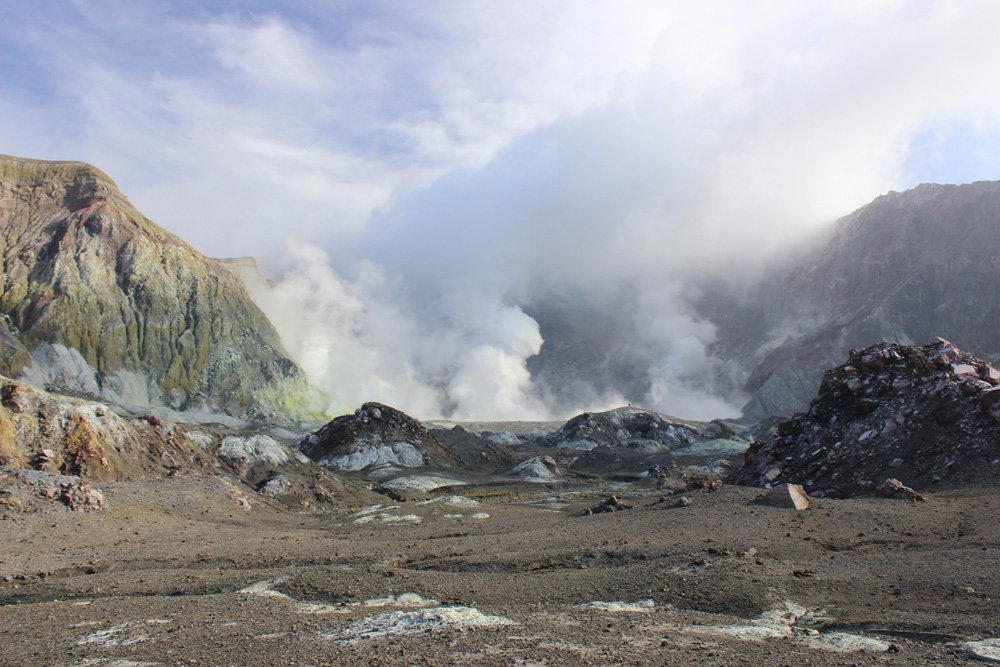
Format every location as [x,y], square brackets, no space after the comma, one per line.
[504,212]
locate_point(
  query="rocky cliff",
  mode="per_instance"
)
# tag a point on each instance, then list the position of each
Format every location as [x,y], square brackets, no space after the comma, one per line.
[907,267]
[95,297]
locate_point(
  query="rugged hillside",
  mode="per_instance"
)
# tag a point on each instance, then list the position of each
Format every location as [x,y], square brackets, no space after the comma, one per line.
[95,297]
[907,267]
[70,441]
[921,414]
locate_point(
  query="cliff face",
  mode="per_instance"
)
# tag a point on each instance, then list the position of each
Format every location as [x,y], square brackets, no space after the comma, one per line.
[907,267]
[110,303]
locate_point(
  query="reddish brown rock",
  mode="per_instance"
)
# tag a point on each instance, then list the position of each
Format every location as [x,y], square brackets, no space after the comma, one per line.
[78,497]
[989,397]
[893,488]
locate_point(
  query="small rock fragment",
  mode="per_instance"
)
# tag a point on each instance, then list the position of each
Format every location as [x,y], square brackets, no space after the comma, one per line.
[893,488]
[612,504]
[989,397]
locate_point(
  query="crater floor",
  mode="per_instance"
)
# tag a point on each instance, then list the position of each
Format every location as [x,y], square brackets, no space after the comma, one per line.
[175,572]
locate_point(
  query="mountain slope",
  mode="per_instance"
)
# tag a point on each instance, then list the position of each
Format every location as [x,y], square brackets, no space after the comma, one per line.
[906,268]
[110,303]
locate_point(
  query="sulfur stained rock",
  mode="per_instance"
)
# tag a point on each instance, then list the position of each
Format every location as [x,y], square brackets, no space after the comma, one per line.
[987,650]
[96,298]
[69,436]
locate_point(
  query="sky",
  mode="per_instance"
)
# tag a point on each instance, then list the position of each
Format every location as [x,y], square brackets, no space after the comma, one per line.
[428,182]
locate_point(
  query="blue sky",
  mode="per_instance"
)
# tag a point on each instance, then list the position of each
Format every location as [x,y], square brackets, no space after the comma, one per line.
[431,151]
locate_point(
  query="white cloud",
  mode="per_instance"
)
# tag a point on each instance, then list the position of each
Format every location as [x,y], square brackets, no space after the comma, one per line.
[269,53]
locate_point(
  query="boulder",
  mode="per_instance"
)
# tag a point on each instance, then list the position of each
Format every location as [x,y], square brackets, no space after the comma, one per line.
[989,397]
[788,496]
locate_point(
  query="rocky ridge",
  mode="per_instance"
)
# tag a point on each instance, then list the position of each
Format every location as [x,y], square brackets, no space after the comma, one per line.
[920,415]
[96,298]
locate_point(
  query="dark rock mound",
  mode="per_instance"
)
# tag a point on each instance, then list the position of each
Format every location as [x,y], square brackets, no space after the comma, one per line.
[623,427]
[477,452]
[376,437]
[918,414]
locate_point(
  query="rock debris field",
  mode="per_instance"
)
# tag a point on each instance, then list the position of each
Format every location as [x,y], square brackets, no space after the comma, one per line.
[173,571]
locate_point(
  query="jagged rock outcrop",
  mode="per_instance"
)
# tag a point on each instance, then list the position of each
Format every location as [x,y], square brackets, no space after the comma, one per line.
[921,415]
[379,439]
[95,297]
[62,435]
[905,268]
